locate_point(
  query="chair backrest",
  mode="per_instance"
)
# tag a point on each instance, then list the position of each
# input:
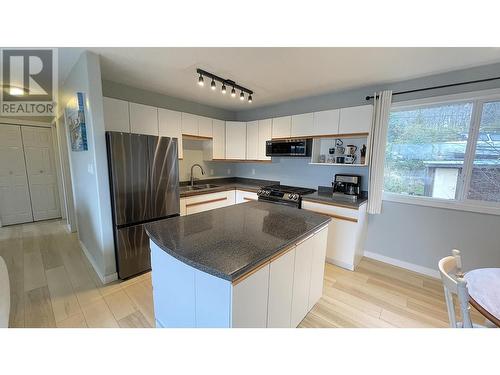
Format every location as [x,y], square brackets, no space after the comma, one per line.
[450,269]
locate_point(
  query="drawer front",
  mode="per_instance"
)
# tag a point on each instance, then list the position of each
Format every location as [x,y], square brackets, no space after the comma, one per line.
[205,202]
[337,212]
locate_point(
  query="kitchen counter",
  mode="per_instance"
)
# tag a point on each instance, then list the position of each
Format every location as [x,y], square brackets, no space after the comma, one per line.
[225,184]
[324,196]
[232,241]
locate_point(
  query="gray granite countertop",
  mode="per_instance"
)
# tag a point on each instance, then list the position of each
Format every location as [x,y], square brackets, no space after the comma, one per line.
[224,184]
[231,241]
[324,195]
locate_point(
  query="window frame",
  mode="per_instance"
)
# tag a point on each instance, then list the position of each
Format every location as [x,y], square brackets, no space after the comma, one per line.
[461,202]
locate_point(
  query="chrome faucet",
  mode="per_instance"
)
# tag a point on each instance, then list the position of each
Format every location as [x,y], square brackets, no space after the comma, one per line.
[202,172]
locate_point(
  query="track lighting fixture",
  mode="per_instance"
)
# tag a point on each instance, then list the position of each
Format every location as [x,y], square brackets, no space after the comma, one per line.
[225,82]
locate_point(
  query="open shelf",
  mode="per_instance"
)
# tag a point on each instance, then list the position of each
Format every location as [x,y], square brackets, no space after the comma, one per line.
[322,146]
[341,164]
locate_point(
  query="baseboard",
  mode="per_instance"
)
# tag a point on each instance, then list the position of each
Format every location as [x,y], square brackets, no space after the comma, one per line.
[105,279]
[399,263]
[345,265]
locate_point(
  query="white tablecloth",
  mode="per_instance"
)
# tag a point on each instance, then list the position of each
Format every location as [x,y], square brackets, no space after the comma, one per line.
[484,287]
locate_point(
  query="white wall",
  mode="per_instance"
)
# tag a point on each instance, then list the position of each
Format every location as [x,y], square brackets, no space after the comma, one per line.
[89,170]
[193,154]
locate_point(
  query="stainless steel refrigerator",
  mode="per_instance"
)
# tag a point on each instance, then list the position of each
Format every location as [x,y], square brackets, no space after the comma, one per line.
[144,183]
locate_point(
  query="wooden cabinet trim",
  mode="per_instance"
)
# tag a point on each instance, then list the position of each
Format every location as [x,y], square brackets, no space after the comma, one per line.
[209,201]
[190,136]
[344,135]
[340,217]
[249,273]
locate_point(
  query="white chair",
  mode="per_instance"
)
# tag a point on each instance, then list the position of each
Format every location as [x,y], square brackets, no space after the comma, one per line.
[4,295]
[450,269]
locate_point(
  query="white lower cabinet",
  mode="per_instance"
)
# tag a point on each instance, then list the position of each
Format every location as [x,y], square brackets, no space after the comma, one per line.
[346,233]
[301,281]
[280,290]
[278,294]
[205,202]
[317,267]
[245,196]
[250,300]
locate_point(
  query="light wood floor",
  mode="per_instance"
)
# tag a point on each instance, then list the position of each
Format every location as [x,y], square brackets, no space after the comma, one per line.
[54,285]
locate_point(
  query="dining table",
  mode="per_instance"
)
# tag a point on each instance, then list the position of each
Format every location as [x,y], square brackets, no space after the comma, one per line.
[483,285]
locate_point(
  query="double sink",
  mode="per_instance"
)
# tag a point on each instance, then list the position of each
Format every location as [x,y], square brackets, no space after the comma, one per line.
[187,188]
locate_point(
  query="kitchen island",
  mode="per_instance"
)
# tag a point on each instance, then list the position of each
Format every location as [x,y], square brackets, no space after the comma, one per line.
[255,264]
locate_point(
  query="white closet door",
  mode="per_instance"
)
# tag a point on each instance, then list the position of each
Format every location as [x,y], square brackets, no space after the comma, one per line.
[39,153]
[15,204]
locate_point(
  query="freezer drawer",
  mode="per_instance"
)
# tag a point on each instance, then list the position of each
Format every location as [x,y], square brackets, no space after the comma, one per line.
[132,251]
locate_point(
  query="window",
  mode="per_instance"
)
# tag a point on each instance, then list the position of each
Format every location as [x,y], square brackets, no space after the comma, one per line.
[444,152]
[485,178]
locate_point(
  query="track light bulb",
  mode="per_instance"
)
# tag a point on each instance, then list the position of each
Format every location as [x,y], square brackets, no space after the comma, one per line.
[223,89]
[212,85]
[200,80]
[249,98]
[233,92]
[242,96]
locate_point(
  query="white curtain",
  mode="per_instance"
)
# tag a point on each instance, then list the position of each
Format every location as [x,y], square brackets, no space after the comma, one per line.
[378,139]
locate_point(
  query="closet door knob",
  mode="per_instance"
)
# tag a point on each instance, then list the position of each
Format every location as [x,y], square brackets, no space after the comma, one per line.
[41,171]
[10,172]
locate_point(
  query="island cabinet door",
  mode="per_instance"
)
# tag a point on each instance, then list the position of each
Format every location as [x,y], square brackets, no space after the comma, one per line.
[318,266]
[280,290]
[250,296]
[301,280]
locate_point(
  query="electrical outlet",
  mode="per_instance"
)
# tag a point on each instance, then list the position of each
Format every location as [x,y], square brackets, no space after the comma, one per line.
[253,171]
[229,171]
[211,172]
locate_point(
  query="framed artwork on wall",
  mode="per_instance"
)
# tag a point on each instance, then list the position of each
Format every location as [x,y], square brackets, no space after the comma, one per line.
[75,118]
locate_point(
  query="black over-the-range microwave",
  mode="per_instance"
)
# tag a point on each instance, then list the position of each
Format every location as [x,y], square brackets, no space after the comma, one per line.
[289,147]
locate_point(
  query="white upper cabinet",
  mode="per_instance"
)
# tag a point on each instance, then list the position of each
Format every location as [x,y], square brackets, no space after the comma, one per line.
[143,119]
[302,125]
[170,125]
[252,140]
[236,140]
[265,134]
[205,127]
[189,124]
[282,127]
[219,139]
[116,115]
[326,122]
[356,119]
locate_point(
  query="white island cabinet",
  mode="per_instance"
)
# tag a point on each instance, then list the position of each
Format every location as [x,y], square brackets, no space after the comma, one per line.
[277,293]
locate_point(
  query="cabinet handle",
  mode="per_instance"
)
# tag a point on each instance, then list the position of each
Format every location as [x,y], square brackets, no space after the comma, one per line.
[249,199]
[340,217]
[209,201]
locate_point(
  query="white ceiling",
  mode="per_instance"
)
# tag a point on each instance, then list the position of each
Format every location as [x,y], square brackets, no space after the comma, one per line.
[274,74]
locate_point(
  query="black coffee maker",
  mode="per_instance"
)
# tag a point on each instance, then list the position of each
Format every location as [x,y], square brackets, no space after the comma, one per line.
[346,186]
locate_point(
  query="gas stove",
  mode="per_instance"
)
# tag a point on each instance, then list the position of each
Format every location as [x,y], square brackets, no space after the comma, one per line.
[282,194]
